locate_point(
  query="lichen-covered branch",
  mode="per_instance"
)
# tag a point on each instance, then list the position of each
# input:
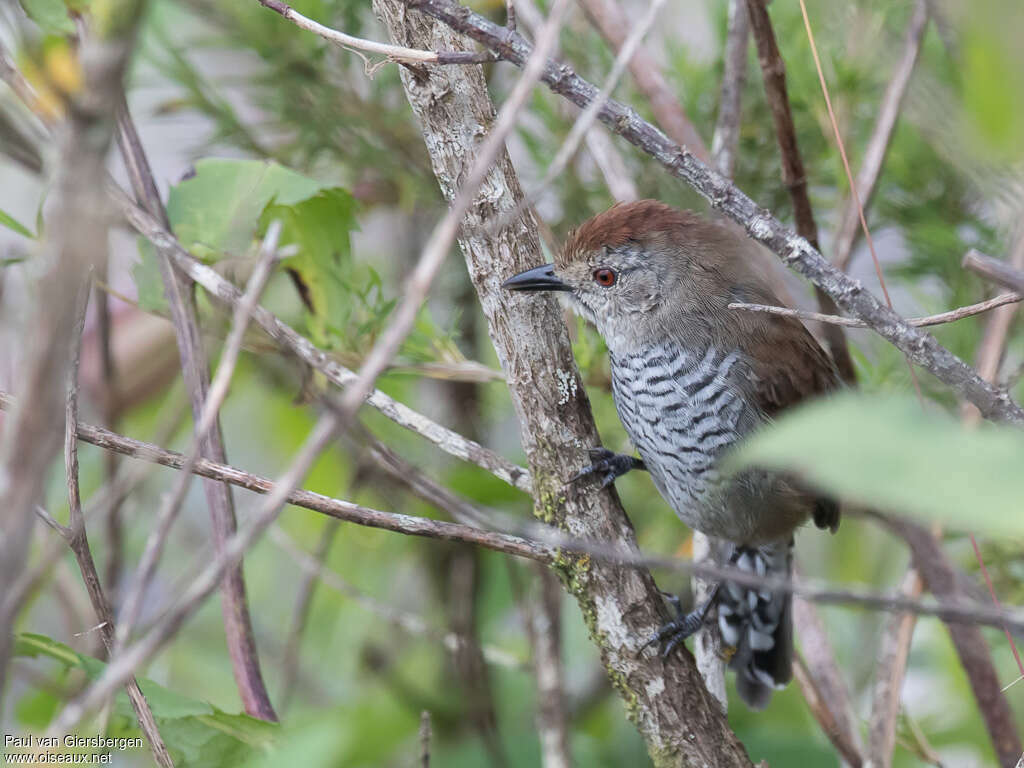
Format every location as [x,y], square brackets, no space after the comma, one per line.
[679,720]
[849,294]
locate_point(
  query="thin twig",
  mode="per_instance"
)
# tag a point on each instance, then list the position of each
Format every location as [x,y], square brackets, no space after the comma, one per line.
[796,252]
[544,547]
[822,712]
[395,53]
[995,270]
[123,665]
[794,175]
[544,628]
[78,540]
[195,369]
[725,140]
[218,390]
[919,322]
[222,290]
[878,144]
[614,26]
[890,671]
[425,735]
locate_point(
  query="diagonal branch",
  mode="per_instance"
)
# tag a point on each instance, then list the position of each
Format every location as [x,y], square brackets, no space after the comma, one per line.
[793,250]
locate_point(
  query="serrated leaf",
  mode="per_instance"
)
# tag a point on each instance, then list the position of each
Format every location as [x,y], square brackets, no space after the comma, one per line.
[888,453]
[13,224]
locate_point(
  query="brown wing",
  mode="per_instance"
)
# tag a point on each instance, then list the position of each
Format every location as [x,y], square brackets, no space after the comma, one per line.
[789,367]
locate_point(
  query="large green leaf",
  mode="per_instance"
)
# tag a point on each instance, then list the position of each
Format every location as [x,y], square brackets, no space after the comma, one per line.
[197,733]
[891,454]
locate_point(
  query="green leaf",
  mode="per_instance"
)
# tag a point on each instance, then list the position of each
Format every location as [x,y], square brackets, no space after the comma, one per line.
[891,454]
[197,733]
[320,227]
[149,283]
[51,16]
[11,223]
[217,210]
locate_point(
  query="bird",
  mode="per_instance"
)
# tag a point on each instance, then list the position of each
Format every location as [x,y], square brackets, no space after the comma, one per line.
[691,378]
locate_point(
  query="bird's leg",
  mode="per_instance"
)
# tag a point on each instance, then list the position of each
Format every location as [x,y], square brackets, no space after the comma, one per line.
[684,625]
[610,465]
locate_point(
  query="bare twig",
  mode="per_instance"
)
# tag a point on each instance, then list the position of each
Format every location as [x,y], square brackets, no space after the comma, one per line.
[997,271]
[218,390]
[76,239]
[793,173]
[544,548]
[919,322]
[878,144]
[78,541]
[822,711]
[614,26]
[726,137]
[891,669]
[824,680]
[941,580]
[793,250]
[425,731]
[394,53]
[220,289]
[195,368]
[123,665]
[544,628]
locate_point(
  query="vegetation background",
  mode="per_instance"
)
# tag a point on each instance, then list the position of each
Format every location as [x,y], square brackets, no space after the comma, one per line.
[248,120]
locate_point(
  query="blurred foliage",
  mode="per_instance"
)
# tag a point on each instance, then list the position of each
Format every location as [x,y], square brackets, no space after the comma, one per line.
[283,126]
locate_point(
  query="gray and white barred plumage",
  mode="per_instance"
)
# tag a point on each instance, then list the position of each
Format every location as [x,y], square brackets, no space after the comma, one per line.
[690,379]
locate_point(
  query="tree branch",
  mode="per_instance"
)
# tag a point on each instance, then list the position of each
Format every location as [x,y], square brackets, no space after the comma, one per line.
[726,137]
[918,322]
[995,270]
[793,250]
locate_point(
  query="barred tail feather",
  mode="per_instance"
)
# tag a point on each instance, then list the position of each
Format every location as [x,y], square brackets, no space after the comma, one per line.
[759,624]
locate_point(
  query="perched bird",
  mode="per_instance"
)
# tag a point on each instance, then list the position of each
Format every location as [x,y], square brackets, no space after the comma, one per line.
[690,378]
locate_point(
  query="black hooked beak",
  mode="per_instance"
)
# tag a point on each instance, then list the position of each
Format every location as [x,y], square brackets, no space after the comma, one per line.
[540,278]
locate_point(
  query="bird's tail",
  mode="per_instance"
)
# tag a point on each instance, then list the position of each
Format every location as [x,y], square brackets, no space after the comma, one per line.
[758,623]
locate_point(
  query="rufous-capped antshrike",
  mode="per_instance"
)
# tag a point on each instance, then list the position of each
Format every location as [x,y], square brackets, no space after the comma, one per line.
[690,378]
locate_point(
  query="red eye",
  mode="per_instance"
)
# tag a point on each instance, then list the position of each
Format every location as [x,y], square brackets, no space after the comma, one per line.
[605,277]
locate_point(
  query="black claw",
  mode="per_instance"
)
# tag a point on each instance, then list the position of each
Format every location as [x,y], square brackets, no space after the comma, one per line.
[683,626]
[608,464]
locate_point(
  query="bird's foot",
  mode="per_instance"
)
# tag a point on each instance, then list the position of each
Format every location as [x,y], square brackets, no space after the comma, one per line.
[609,465]
[683,626]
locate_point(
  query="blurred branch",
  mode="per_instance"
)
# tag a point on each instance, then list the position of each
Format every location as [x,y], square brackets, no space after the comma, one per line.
[850,322]
[822,683]
[940,577]
[878,144]
[78,540]
[171,503]
[130,658]
[890,672]
[726,138]
[223,291]
[822,712]
[611,21]
[76,239]
[195,369]
[793,250]
[544,628]
[997,271]
[392,53]
[794,175]
[547,542]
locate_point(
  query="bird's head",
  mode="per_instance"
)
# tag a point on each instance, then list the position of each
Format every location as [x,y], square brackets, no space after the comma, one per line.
[640,269]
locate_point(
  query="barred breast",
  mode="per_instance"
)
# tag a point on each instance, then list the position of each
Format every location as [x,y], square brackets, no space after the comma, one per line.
[682,408]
